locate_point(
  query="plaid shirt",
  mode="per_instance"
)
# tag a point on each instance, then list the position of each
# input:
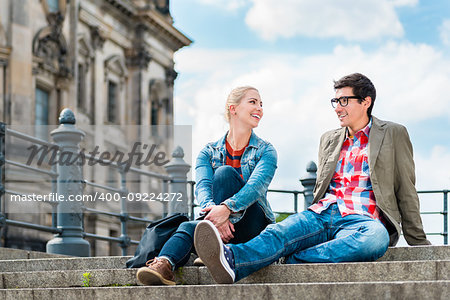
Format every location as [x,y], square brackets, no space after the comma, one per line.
[350,186]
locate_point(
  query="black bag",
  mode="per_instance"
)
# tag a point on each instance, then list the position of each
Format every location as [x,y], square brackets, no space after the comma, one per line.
[155,236]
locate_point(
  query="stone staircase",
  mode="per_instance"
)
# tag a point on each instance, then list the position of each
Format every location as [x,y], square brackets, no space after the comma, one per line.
[403,273]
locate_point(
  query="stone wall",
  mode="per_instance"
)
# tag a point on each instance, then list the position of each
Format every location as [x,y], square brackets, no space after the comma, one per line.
[73,55]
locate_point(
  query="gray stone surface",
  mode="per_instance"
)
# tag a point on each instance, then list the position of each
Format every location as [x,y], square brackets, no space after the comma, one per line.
[345,272]
[305,273]
[313,291]
[76,278]
[72,263]
[8,253]
[19,259]
[404,273]
[417,253]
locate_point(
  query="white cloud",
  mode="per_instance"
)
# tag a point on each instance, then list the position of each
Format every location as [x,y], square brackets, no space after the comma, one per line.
[434,165]
[404,2]
[411,81]
[348,19]
[445,32]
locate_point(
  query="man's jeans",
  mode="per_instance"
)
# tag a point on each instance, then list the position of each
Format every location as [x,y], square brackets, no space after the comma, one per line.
[226,183]
[311,237]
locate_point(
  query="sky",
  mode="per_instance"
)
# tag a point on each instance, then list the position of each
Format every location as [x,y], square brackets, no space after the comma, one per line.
[292,50]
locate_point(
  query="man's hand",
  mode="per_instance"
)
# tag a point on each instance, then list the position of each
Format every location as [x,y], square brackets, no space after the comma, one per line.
[219,216]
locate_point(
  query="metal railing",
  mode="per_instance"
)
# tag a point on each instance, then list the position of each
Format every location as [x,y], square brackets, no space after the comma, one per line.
[51,174]
[70,237]
[443,212]
[68,217]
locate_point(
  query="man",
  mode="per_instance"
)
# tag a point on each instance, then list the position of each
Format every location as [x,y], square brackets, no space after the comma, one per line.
[364,191]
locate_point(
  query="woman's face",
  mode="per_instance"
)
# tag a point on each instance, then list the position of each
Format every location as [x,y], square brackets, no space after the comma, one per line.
[249,111]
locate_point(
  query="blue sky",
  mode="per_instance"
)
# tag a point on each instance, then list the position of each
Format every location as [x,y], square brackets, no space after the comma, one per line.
[292,50]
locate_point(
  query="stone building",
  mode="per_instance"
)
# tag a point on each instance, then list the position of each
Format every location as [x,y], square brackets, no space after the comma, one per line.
[109,61]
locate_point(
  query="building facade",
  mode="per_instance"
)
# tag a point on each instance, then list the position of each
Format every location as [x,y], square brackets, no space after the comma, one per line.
[109,61]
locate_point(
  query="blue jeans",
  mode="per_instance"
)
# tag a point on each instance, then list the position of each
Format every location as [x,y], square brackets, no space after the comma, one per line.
[226,183]
[311,237]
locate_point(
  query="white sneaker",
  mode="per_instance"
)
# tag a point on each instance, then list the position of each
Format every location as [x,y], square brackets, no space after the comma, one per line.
[217,257]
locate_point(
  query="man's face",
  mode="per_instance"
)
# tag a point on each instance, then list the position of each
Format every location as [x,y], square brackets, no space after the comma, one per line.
[354,114]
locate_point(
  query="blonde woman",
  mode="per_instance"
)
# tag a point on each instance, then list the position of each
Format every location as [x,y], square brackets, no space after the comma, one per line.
[232,175]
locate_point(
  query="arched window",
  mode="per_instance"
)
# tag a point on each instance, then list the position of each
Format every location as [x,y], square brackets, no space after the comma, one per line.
[115,77]
[41,116]
[53,6]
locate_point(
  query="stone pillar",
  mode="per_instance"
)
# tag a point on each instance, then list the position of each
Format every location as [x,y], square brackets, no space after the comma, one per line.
[20,63]
[69,183]
[177,169]
[309,181]
[73,53]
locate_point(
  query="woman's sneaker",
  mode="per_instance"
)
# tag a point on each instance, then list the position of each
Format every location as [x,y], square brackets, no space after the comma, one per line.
[158,271]
[217,257]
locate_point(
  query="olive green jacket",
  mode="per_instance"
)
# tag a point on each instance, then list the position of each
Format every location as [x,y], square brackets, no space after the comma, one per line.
[392,175]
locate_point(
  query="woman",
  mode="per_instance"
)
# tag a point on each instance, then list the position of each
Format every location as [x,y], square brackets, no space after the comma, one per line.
[233,175]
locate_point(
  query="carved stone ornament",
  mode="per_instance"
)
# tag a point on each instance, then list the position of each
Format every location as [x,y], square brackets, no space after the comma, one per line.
[138,57]
[171,75]
[98,39]
[162,6]
[50,45]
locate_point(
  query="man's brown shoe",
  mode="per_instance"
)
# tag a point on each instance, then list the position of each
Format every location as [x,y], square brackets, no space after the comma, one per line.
[157,272]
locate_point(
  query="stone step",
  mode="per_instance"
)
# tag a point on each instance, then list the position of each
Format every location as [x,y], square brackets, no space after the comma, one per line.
[10,253]
[302,273]
[417,253]
[311,291]
[71,263]
[19,259]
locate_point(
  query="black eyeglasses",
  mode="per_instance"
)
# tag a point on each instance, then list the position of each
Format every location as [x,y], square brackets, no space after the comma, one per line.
[343,101]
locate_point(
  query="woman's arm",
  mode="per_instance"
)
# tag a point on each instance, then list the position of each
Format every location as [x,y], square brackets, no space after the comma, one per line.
[204,174]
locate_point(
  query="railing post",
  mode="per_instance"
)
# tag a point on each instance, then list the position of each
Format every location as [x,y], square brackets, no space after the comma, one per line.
[445,217]
[309,181]
[69,185]
[295,202]
[192,197]
[124,217]
[177,169]
[2,171]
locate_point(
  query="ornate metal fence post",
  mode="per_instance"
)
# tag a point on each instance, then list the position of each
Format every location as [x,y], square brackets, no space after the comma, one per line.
[124,217]
[309,181]
[69,185]
[177,169]
[2,172]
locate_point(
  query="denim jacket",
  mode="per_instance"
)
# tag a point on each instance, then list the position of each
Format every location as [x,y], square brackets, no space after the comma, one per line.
[258,164]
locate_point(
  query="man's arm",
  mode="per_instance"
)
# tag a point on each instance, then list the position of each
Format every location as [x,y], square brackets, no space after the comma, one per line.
[405,190]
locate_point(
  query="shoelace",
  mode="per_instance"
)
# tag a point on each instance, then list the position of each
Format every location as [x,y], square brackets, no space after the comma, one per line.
[154,261]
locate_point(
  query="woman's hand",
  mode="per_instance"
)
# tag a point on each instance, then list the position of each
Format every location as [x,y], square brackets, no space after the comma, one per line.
[219,216]
[226,231]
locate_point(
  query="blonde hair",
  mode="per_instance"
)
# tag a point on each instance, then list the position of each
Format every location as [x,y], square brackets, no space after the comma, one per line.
[235,97]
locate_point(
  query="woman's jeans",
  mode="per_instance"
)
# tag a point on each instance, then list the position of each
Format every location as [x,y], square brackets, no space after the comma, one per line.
[226,183]
[311,237]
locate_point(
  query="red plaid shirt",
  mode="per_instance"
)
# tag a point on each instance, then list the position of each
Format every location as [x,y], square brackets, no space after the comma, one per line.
[350,186]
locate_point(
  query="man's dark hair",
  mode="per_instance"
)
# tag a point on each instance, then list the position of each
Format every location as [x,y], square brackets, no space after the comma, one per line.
[361,85]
